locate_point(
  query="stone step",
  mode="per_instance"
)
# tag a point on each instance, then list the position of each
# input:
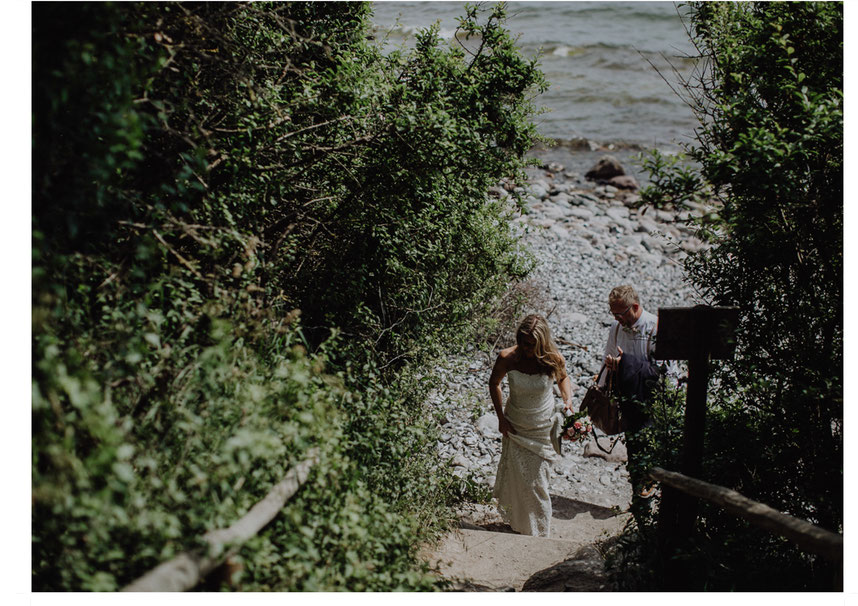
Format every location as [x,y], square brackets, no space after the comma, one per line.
[477,556]
[497,561]
[484,554]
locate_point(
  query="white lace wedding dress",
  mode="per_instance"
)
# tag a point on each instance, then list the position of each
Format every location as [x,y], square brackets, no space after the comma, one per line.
[521,487]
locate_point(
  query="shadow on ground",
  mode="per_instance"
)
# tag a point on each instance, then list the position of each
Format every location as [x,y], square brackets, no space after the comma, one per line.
[583,572]
[566,509]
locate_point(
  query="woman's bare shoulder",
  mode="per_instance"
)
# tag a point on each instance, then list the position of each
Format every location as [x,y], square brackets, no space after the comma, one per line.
[505,359]
[507,354]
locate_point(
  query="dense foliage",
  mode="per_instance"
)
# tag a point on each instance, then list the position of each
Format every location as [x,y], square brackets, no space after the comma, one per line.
[251,227]
[769,153]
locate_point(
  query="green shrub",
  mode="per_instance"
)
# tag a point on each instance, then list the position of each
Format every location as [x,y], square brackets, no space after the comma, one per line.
[252,229]
[770,155]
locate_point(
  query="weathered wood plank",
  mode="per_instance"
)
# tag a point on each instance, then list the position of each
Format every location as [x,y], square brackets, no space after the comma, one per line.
[687,332]
[809,537]
[187,569]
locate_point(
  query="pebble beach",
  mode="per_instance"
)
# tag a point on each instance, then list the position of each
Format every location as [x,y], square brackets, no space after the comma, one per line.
[587,238]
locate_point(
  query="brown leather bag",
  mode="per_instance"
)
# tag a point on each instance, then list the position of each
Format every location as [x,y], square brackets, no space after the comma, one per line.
[602,407]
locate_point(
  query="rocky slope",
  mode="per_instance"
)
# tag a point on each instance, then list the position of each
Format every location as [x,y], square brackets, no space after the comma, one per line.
[587,239]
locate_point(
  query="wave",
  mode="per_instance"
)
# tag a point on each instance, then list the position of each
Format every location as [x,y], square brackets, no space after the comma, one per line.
[609,55]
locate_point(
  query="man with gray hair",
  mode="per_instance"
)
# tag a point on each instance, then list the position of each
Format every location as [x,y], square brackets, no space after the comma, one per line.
[633,330]
[629,355]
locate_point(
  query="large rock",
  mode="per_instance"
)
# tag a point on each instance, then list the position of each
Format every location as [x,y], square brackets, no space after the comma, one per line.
[618,213]
[624,182]
[647,225]
[539,190]
[618,453]
[605,168]
[561,199]
[630,241]
[653,245]
[487,425]
[585,214]
[554,212]
[559,231]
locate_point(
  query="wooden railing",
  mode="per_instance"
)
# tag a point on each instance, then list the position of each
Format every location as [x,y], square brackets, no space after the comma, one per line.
[699,334]
[807,536]
[186,570]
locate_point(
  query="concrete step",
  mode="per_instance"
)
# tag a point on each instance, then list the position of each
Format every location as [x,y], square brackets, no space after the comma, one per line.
[497,561]
[477,556]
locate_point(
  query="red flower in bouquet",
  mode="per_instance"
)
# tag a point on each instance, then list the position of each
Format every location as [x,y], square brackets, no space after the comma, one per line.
[577,427]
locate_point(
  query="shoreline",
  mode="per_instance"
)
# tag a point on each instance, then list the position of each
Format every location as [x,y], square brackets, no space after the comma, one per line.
[578,155]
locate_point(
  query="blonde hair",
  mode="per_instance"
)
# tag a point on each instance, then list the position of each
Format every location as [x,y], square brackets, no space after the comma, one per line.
[546,351]
[625,294]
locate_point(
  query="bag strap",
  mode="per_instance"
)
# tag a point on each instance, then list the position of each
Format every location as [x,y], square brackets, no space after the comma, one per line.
[609,382]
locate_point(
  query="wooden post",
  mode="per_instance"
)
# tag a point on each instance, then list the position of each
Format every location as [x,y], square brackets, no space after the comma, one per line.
[693,435]
[695,334]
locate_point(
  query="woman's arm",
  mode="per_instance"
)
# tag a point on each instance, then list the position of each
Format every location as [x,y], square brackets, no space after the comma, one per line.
[565,385]
[498,373]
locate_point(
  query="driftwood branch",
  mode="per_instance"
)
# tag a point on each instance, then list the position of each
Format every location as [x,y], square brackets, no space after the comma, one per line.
[570,343]
[187,569]
[804,534]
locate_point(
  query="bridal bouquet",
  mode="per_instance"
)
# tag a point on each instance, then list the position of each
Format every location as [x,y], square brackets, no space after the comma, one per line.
[577,427]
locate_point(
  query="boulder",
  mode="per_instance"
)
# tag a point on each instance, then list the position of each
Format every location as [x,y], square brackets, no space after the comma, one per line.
[600,224]
[605,168]
[584,214]
[561,199]
[539,190]
[630,241]
[618,452]
[618,213]
[630,198]
[555,212]
[545,223]
[460,461]
[559,231]
[647,225]
[664,216]
[624,182]
[652,244]
[487,425]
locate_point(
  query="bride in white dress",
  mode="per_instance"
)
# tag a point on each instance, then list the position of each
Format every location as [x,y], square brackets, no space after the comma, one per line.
[532,366]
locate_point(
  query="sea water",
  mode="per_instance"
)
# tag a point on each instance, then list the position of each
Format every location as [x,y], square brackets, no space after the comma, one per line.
[613,67]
